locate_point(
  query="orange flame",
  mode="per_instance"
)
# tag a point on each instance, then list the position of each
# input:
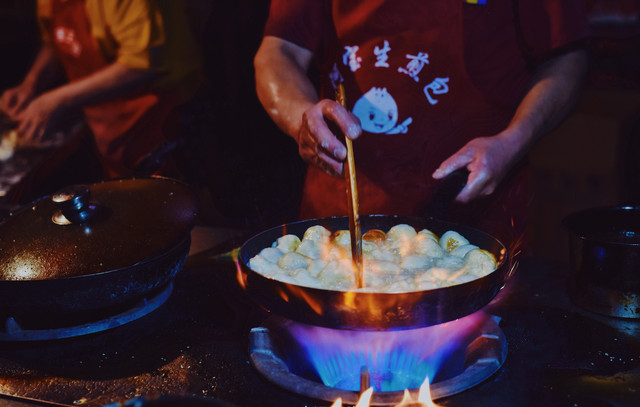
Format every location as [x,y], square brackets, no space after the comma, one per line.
[300,292]
[241,276]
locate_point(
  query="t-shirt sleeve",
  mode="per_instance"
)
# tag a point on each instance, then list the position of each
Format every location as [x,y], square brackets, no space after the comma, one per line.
[138,28]
[43,16]
[551,26]
[302,22]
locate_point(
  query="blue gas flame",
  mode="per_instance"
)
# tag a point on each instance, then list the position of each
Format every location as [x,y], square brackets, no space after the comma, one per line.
[395,360]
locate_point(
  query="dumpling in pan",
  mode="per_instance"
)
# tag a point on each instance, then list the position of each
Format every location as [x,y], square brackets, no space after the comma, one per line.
[337,275]
[287,243]
[401,232]
[342,238]
[302,277]
[450,263]
[293,260]
[309,248]
[415,262]
[271,254]
[480,262]
[426,234]
[428,247]
[317,233]
[262,266]
[400,238]
[452,239]
[461,251]
[382,268]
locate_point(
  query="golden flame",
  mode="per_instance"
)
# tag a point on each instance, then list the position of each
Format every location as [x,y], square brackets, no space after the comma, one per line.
[423,399]
[365,398]
[300,292]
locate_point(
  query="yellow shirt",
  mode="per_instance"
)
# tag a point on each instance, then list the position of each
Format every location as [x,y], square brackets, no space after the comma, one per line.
[143,34]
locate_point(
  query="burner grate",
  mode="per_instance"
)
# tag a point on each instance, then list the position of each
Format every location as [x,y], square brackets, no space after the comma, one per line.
[483,356]
[13,332]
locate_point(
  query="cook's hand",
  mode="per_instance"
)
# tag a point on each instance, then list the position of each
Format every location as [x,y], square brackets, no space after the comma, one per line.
[488,160]
[39,118]
[14,100]
[317,144]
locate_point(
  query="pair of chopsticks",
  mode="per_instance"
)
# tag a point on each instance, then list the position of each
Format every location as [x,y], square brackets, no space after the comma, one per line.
[352,196]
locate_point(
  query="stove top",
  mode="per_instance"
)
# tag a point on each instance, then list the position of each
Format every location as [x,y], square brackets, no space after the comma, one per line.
[194,350]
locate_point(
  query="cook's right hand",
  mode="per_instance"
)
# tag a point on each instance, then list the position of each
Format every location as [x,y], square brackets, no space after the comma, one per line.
[14,100]
[317,144]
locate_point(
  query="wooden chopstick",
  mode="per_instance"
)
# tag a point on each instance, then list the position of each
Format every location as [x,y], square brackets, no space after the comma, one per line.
[352,196]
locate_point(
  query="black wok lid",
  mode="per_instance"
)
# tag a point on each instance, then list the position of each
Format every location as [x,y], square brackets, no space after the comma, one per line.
[90,229]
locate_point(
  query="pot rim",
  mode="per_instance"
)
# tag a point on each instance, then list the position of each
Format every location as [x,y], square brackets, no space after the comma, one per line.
[583,223]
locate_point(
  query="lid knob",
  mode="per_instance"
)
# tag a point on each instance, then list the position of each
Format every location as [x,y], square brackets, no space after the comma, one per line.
[74,206]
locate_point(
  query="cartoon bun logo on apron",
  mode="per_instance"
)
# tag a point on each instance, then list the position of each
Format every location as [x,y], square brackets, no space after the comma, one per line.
[378,113]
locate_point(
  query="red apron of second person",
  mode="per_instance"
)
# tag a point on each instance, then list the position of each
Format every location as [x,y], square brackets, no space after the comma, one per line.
[125,129]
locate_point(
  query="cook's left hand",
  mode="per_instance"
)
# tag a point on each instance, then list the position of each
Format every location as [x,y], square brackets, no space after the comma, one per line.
[39,118]
[488,160]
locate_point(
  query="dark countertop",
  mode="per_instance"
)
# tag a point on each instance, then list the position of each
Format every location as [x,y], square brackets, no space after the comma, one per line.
[195,345]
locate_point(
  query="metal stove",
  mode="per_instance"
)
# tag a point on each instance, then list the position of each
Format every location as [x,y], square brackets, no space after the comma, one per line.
[194,349]
[16,331]
[387,361]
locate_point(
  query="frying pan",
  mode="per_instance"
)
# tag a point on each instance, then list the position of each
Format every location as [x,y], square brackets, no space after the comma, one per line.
[91,248]
[373,310]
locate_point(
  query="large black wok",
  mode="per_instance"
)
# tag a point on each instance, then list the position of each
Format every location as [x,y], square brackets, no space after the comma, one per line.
[93,248]
[373,311]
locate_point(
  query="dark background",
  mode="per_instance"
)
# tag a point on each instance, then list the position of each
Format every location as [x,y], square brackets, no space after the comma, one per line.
[249,175]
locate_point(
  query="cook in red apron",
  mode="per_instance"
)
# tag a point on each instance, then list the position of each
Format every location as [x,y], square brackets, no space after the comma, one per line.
[404,72]
[125,129]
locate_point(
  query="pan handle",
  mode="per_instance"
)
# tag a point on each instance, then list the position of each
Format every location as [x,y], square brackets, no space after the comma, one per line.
[445,193]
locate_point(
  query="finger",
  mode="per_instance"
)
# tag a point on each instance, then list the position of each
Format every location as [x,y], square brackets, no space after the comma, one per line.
[10,108]
[456,161]
[476,183]
[15,108]
[19,105]
[348,123]
[325,162]
[321,138]
[330,165]
[25,132]
[26,129]
[6,99]
[38,133]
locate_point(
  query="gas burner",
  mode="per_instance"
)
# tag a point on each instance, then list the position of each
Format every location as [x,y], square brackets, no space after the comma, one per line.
[475,357]
[13,332]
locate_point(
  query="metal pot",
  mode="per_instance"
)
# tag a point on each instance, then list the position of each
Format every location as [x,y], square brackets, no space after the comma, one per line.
[370,310]
[605,260]
[90,248]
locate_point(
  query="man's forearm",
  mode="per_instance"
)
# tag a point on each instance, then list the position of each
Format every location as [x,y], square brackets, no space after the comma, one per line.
[554,90]
[282,85]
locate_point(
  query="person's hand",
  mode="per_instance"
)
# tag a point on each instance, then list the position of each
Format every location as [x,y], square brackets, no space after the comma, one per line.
[488,160]
[39,117]
[14,100]
[317,144]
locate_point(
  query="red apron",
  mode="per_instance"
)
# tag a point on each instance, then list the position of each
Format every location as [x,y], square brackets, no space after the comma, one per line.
[405,76]
[125,129]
